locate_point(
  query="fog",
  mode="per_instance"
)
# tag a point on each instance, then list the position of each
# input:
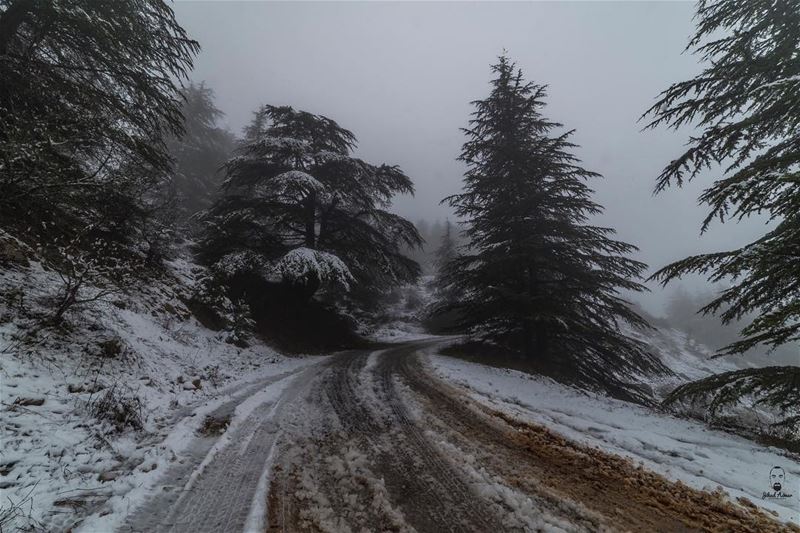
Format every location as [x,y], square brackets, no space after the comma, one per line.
[401,76]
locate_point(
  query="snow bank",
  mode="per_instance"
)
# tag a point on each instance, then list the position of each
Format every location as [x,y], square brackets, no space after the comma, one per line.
[679,449]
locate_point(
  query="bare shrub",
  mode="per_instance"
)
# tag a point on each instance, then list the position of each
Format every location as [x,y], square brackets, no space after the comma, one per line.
[110,348]
[77,274]
[214,425]
[213,375]
[17,515]
[123,411]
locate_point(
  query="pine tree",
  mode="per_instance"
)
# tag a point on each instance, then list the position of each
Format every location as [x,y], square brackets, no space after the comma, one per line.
[445,254]
[419,253]
[299,209]
[446,251]
[200,152]
[424,228]
[747,104]
[435,231]
[538,277]
[88,92]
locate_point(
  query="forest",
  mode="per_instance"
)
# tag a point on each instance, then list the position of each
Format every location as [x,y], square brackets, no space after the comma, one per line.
[173,289]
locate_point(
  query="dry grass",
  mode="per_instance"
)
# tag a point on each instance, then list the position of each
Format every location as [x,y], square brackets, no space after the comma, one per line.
[214,426]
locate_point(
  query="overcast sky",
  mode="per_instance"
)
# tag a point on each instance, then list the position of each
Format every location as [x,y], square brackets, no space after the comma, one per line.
[401,76]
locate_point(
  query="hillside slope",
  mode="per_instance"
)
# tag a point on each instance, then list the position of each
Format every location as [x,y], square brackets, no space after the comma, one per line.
[94,411]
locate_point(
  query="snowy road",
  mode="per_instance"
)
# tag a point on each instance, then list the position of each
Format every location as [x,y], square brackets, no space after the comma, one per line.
[372,441]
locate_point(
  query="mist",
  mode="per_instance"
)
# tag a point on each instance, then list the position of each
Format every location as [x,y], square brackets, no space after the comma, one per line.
[221,311]
[401,76]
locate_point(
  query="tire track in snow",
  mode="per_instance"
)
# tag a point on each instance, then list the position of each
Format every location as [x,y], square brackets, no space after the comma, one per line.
[324,479]
[354,450]
[438,496]
[216,494]
[428,491]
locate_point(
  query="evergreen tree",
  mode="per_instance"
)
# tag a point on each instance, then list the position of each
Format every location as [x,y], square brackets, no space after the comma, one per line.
[538,277]
[419,253]
[200,152]
[443,289]
[447,247]
[424,228]
[299,209]
[435,232]
[747,105]
[89,89]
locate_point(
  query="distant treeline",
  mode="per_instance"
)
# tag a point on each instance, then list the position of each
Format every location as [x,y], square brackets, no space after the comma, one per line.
[433,231]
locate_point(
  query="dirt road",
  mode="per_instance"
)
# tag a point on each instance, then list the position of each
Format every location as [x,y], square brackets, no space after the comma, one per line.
[370,441]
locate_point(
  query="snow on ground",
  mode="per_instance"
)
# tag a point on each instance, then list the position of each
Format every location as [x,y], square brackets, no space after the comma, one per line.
[144,352]
[172,448]
[688,359]
[679,449]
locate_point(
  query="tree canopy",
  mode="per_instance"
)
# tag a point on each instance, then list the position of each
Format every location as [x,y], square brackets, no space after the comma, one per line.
[448,249]
[199,152]
[89,90]
[536,275]
[746,103]
[305,211]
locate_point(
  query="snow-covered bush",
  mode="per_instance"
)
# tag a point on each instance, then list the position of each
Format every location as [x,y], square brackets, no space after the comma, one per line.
[765,401]
[242,324]
[304,266]
[238,263]
[120,409]
[89,271]
[215,309]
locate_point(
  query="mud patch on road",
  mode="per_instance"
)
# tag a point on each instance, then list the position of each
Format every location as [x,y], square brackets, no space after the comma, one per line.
[336,492]
[358,462]
[376,443]
[543,464]
[628,493]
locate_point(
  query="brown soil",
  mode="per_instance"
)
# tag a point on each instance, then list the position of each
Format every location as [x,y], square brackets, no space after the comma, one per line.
[533,459]
[382,445]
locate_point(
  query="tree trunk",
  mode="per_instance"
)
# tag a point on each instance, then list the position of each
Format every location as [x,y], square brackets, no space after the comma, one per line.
[324,216]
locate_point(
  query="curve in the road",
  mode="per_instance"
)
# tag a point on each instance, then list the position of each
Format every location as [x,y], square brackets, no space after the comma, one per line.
[373,441]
